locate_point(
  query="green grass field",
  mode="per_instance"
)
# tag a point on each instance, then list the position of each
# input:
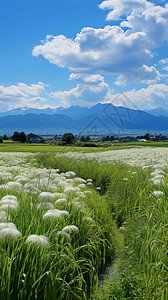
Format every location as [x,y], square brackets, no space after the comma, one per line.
[7,146]
[139,207]
[124,220]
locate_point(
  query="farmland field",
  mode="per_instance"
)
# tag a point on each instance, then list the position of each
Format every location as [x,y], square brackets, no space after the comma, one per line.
[65,215]
[8,146]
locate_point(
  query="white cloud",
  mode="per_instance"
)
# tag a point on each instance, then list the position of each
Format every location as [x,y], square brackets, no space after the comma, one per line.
[108,50]
[120,8]
[164,64]
[86,78]
[21,90]
[85,93]
[153,96]
[164,61]
[153,20]
[144,74]
[21,95]
[124,51]
[141,16]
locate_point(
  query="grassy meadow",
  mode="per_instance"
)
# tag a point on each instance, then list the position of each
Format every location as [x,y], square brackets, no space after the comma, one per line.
[10,146]
[64,218]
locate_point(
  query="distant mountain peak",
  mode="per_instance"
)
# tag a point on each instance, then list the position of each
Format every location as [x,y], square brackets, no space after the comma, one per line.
[103,117]
[159,111]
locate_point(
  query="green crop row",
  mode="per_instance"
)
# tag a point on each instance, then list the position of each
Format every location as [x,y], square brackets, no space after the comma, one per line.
[140,209]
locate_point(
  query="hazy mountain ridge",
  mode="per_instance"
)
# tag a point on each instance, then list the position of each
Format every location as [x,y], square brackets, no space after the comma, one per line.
[158,111]
[104,118]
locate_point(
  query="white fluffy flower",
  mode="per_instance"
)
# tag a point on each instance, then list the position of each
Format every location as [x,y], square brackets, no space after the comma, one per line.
[9,232]
[46,196]
[7,225]
[87,219]
[71,189]
[70,174]
[63,234]
[3,216]
[60,201]
[157,193]
[52,214]
[81,194]
[37,240]
[9,201]
[64,213]
[79,180]
[70,229]
[21,179]
[55,214]
[45,205]
[60,195]
[13,185]
[82,185]
[88,192]
[125,179]
[9,207]
[12,197]
[89,180]
[157,181]
[31,189]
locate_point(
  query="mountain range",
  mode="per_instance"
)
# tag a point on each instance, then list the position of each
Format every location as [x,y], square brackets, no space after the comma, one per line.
[100,119]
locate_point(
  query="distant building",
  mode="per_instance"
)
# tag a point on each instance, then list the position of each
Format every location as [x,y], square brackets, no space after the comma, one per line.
[141,140]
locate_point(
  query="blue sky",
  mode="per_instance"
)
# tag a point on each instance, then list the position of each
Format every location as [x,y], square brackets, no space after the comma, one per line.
[62,53]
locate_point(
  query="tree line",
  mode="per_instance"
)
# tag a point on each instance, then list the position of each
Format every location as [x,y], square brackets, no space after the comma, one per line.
[22,137]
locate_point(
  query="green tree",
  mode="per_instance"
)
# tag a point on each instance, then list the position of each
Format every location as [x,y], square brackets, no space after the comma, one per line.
[23,137]
[1,140]
[147,136]
[19,137]
[5,138]
[16,136]
[68,138]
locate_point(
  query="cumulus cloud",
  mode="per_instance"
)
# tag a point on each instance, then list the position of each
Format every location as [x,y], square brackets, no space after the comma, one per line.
[124,51]
[21,90]
[87,93]
[153,20]
[120,8]
[108,50]
[144,74]
[141,16]
[153,96]
[21,95]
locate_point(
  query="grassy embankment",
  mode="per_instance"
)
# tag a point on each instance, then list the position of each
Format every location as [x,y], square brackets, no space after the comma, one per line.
[142,217]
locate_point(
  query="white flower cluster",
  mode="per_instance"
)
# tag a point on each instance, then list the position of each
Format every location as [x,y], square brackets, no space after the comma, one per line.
[9,232]
[139,157]
[54,196]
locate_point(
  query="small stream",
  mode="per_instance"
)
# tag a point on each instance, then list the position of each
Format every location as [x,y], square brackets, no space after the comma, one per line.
[108,272]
